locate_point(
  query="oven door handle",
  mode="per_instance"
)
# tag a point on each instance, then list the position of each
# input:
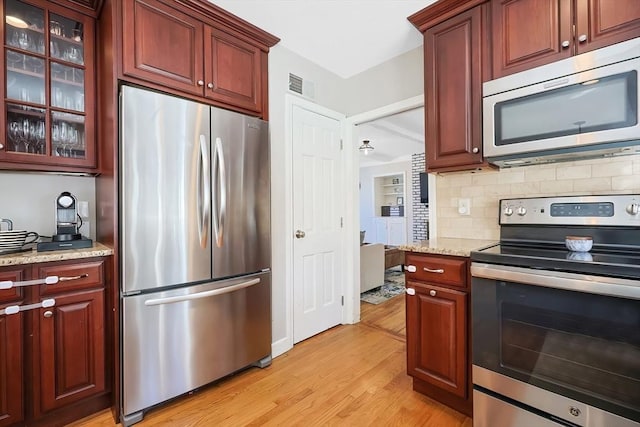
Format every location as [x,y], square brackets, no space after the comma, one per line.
[611,286]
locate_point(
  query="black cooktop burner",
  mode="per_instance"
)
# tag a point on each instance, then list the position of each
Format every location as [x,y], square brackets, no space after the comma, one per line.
[625,264]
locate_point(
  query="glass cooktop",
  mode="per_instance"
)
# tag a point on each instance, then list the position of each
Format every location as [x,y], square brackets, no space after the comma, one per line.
[603,263]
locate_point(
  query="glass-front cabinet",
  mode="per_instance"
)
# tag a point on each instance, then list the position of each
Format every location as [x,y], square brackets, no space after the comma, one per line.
[49,87]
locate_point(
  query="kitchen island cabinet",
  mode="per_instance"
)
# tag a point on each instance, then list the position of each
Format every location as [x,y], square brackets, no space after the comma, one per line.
[55,362]
[170,45]
[438,325]
[530,33]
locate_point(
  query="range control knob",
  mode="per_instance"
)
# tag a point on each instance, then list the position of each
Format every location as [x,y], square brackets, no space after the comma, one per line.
[522,211]
[508,211]
[633,209]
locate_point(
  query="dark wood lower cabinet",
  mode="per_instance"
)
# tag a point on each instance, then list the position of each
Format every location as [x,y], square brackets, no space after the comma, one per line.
[11,369]
[53,360]
[72,349]
[438,338]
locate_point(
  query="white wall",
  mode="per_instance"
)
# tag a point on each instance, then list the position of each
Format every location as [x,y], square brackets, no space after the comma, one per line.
[329,93]
[392,81]
[395,80]
[28,199]
[367,208]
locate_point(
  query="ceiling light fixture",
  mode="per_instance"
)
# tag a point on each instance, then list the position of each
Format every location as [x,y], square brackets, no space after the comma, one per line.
[16,22]
[366,147]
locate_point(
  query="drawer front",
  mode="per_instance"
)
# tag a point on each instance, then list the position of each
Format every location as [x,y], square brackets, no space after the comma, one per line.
[437,269]
[73,276]
[12,274]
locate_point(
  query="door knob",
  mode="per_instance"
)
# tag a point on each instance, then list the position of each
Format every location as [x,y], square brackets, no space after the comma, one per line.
[300,234]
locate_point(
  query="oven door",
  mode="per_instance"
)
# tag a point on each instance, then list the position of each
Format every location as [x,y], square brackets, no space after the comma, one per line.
[574,335]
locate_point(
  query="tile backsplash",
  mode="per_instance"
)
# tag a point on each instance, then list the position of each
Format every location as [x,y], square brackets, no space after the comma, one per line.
[619,175]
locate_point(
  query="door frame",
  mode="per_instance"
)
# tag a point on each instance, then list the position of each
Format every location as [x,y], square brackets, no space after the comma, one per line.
[352,295]
[286,343]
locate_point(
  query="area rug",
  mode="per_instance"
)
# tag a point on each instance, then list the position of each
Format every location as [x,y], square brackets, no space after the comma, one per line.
[393,286]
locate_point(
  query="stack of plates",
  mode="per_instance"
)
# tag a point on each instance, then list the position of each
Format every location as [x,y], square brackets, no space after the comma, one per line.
[15,239]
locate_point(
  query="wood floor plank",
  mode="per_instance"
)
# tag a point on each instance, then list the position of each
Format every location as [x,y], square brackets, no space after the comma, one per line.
[350,375]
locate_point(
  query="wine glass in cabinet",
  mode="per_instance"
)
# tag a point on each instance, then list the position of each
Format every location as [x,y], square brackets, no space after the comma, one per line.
[48,115]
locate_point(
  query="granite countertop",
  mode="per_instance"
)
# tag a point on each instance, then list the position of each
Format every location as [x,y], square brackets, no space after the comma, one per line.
[447,246]
[33,256]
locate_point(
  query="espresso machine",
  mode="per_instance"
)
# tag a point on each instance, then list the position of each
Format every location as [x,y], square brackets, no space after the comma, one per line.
[68,223]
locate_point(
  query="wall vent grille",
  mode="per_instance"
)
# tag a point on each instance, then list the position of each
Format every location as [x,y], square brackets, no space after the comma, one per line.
[295,83]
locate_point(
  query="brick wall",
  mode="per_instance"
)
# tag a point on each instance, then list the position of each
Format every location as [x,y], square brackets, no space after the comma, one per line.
[420,210]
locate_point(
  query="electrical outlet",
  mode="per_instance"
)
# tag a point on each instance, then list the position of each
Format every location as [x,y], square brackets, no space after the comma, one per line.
[83,209]
[464,206]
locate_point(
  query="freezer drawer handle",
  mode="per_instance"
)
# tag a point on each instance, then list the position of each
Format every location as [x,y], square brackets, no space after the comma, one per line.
[13,309]
[199,295]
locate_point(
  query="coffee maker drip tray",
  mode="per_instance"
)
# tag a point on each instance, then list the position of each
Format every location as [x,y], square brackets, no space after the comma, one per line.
[50,245]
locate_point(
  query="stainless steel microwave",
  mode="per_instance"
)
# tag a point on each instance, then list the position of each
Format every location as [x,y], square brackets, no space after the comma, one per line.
[579,107]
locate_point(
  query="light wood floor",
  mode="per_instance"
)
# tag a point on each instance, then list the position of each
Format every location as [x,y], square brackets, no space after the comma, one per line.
[351,375]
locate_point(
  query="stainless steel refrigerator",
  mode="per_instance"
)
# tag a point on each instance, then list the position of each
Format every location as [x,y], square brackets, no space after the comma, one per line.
[195,245]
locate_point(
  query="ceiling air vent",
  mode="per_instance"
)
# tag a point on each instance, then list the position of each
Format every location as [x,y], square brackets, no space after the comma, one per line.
[295,83]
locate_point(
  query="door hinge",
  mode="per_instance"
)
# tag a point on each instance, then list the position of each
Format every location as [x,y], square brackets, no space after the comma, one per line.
[342,298]
[341,222]
[341,146]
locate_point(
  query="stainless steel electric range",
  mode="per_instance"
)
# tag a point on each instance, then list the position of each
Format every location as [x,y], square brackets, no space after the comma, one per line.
[556,334]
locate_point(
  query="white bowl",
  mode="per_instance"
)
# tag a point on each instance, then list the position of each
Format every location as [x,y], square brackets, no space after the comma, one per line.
[578,243]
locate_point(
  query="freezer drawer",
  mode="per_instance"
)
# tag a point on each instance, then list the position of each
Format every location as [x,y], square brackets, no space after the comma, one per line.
[176,341]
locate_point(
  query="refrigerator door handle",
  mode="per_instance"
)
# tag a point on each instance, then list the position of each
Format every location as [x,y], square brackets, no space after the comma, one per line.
[221,195]
[204,193]
[199,295]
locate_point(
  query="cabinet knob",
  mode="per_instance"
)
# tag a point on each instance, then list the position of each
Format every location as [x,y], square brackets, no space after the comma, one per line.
[565,44]
[475,150]
[48,313]
[1,146]
[210,85]
[410,291]
[200,82]
[582,38]
[432,293]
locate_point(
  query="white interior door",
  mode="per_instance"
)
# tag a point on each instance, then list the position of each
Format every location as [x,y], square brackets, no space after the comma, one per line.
[317,220]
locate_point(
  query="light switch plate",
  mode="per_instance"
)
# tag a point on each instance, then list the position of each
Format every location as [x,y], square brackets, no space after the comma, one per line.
[464,206]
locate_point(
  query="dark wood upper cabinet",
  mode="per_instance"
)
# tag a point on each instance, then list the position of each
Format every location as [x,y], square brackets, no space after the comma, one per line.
[162,45]
[167,45]
[233,70]
[47,117]
[454,58]
[530,33]
[605,22]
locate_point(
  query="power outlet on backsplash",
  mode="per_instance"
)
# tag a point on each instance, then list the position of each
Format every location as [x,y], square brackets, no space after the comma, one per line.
[464,206]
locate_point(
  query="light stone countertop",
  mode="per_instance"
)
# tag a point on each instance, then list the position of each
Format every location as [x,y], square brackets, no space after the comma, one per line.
[33,256]
[447,246]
